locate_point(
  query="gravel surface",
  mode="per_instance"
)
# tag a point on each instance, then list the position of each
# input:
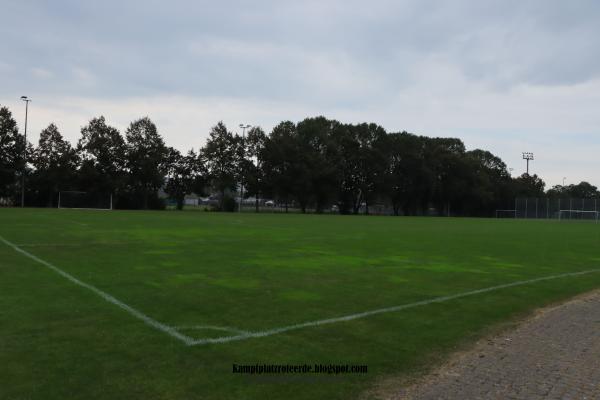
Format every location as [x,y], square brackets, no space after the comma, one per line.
[554,355]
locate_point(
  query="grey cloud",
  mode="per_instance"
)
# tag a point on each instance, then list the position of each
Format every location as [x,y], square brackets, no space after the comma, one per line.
[291,50]
[271,48]
[488,68]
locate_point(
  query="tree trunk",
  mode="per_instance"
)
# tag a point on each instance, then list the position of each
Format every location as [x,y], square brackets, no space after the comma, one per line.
[319,208]
[357,200]
[145,198]
[303,204]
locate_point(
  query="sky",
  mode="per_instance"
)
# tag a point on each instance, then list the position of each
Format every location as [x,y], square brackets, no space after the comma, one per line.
[506,76]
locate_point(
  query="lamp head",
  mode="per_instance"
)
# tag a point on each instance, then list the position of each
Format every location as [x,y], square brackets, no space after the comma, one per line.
[527,156]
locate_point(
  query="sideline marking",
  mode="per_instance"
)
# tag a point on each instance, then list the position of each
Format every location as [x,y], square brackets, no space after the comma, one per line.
[210,328]
[350,317]
[173,331]
[76,244]
[111,299]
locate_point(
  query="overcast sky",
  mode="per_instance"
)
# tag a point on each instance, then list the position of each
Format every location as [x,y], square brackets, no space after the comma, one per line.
[506,76]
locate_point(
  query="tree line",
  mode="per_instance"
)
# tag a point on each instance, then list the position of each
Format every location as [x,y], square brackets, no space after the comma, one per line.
[314,164]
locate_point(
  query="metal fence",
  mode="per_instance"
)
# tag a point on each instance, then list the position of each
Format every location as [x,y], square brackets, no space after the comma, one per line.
[553,208]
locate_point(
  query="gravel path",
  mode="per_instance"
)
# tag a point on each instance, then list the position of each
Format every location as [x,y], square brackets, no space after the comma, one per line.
[554,355]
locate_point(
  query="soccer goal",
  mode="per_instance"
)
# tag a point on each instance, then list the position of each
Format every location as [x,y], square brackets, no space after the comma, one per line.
[578,215]
[506,213]
[85,200]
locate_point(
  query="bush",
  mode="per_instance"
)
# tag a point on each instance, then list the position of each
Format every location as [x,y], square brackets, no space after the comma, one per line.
[227,205]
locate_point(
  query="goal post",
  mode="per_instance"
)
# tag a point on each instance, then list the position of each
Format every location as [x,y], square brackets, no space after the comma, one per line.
[85,200]
[578,215]
[506,213]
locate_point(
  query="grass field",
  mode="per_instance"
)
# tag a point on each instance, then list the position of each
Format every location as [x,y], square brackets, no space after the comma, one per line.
[208,276]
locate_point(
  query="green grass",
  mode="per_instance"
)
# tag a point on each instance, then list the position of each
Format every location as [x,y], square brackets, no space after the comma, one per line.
[257,272]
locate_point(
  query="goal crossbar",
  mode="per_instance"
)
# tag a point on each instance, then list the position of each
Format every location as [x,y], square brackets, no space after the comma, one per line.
[595,214]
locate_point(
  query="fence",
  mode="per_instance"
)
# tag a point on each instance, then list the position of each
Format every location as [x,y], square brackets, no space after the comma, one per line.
[553,208]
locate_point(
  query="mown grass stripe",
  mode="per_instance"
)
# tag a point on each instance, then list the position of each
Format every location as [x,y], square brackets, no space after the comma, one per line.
[365,314]
[109,298]
[174,331]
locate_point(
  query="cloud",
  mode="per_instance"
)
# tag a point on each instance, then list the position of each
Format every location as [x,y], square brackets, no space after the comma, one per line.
[505,75]
[83,76]
[41,73]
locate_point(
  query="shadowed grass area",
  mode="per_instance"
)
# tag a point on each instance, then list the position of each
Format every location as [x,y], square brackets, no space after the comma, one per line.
[257,272]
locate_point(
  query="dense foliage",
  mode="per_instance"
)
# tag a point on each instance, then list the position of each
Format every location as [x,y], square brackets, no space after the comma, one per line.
[316,164]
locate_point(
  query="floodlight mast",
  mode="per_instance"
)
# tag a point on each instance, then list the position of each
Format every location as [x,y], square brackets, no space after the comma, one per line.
[244,127]
[26,100]
[527,156]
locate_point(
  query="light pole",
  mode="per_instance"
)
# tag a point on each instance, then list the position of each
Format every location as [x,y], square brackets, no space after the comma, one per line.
[244,127]
[564,179]
[26,100]
[528,157]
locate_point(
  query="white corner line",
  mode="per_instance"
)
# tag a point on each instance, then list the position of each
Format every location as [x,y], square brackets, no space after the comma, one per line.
[173,331]
[351,317]
[109,298]
[209,328]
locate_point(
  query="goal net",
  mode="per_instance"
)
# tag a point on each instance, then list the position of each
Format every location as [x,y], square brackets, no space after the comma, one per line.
[578,215]
[85,200]
[506,213]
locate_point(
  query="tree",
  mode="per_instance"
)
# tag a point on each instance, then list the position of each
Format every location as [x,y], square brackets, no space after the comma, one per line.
[146,159]
[221,155]
[446,158]
[558,191]
[491,184]
[314,163]
[11,154]
[314,173]
[528,186]
[252,166]
[101,149]
[583,190]
[372,161]
[281,162]
[361,162]
[347,168]
[186,175]
[409,180]
[55,163]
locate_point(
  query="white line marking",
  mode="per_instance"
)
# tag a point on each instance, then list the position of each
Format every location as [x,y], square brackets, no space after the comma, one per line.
[49,244]
[209,327]
[87,244]
[351,317]
[111,299]
[172,331]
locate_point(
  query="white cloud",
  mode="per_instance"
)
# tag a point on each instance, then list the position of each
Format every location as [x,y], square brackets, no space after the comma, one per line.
[5,67]
[41,73]
[504,75]
[84,76]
